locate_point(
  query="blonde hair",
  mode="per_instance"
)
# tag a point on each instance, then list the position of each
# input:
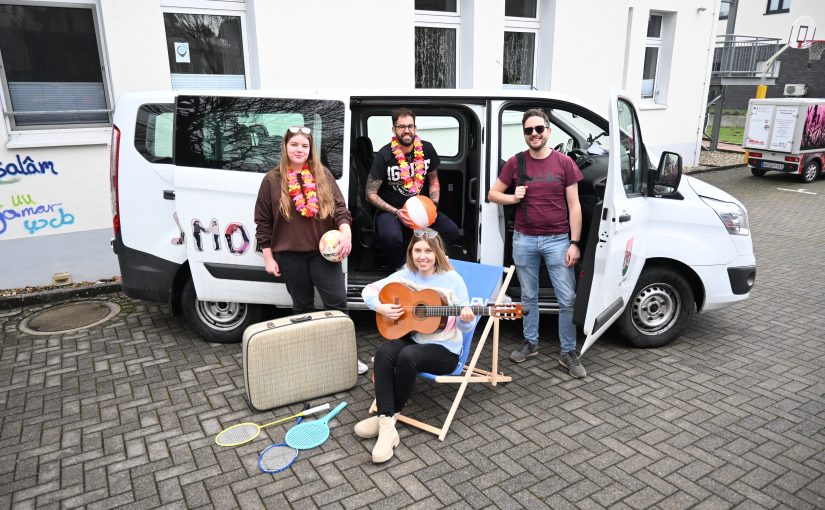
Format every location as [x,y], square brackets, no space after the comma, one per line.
[323,186]
[442,263]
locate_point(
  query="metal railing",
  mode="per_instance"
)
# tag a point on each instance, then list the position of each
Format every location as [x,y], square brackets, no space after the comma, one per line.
[742,56]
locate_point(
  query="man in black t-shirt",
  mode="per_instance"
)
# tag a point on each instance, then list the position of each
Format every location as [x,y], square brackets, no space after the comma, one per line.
[398,172]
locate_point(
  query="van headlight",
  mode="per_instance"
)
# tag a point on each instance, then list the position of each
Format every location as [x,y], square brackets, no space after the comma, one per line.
[733,217]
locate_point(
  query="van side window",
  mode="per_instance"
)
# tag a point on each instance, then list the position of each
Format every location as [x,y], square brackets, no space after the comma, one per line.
[246,134]
[442,131]
[153,132]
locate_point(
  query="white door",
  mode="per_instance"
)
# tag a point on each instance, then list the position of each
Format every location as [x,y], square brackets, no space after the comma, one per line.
[223,148]
[621,247]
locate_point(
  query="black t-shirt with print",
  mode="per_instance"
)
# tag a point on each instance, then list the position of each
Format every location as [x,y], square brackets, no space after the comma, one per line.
[385,167]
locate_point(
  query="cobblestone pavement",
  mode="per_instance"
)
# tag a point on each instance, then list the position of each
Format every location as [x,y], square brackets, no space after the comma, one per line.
[730,416]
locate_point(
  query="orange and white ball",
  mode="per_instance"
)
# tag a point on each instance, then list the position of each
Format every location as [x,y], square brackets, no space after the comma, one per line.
[421,210]
[328,242]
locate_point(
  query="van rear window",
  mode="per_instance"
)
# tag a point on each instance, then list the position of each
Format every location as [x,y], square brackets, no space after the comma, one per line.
[153,132]
[246,133]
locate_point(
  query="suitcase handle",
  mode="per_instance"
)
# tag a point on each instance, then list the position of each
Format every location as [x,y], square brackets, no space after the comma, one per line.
[300,319]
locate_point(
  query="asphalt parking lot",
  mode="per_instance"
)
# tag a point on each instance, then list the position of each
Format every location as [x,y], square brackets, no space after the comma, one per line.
[732,415]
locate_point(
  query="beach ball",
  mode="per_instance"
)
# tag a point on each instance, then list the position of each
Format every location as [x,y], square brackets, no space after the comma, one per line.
[328,242]
[421,211]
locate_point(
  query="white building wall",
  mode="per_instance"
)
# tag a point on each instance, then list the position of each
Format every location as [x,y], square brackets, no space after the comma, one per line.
[752,20]
[584,48]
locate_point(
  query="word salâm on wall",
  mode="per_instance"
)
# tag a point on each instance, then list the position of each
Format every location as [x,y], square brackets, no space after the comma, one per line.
[15,170]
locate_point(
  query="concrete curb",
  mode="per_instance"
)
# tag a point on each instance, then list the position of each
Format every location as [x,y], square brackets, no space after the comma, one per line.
[706,169]
[50,296]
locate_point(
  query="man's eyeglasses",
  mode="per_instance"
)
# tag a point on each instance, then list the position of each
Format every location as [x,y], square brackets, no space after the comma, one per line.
[425,232]
[539,130]
[300,129]
[405,127]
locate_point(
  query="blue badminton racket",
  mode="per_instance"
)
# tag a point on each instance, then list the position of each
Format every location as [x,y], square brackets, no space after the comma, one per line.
[309,435]
[277,457]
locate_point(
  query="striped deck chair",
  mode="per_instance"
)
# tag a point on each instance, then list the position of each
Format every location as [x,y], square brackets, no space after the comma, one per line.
[482,281]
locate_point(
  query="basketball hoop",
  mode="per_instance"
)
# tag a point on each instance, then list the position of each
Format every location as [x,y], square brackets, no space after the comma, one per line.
[815,49]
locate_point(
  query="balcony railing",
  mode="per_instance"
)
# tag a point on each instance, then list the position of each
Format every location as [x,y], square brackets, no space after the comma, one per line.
[743,56]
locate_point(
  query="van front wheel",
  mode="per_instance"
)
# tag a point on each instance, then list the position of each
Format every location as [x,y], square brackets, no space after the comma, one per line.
[660,308]
[217,321]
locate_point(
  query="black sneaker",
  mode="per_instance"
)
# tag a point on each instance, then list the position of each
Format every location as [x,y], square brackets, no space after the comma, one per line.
[571,362]
[526,349]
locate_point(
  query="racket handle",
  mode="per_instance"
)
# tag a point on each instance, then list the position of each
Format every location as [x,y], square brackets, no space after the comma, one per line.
[316,409]
[335,411]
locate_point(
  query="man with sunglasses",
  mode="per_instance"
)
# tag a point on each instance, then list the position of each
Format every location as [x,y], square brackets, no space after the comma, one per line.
[399,171]
[547,227]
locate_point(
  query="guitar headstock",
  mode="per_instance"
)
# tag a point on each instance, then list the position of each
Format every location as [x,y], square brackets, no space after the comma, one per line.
[506,311]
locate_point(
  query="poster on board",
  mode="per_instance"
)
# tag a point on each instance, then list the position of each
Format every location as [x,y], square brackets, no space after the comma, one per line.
[784,128]
[759,127]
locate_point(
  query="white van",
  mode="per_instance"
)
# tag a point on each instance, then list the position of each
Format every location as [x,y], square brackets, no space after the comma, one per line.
[186,168]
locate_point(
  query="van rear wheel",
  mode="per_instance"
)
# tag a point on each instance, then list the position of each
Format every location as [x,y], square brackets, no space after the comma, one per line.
[810,173]
[660,308]
[217,321]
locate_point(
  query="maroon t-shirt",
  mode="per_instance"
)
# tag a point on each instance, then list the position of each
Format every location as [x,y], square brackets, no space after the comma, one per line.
[545,201]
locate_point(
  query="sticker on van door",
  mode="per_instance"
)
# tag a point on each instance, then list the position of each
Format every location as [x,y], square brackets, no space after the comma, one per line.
[236,235]
[628,254]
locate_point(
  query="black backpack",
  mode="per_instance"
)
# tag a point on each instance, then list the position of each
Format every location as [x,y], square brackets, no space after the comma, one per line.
[510,210]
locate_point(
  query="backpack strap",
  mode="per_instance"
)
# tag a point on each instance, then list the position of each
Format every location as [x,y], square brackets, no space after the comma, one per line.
[521,179]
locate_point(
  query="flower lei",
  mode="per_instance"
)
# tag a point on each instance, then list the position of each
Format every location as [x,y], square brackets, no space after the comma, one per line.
[303,195]
[416,181]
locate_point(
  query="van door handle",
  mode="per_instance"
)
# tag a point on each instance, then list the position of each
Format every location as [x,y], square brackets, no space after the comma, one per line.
[623,218]
[168,194]
[472,197]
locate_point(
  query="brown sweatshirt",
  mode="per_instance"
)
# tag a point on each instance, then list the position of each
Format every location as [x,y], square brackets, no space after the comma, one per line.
[298,233]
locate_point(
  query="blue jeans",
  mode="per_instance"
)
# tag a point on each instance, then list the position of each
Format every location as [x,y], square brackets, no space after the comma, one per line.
[528,252]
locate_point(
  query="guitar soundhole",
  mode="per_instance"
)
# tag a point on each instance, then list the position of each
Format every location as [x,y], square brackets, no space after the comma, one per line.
[420,311]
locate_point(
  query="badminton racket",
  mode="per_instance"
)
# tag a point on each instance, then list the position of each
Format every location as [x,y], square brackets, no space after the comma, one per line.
[242,433]
[277,457]
[309,435]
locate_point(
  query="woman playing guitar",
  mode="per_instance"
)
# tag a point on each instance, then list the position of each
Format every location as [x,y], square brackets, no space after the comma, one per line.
[397,362]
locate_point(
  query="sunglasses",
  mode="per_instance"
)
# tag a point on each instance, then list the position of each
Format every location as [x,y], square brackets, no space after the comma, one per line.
[300,129]
[539,130]
[425,232]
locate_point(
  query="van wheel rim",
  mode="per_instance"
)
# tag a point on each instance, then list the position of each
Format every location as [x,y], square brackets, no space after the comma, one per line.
[655,308]
[810,172]
[221,315]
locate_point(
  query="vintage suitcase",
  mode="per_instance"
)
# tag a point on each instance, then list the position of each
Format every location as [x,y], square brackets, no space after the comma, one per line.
[299,358]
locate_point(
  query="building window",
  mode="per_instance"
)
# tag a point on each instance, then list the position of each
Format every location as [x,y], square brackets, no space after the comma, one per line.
[724,9]
[205,51]
[653,45]
[52,67]
[436,44]
[521,28]
[778,6]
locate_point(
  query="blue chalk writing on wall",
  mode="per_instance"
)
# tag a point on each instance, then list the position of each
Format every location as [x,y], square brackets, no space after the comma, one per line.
[14,170]
[40,219]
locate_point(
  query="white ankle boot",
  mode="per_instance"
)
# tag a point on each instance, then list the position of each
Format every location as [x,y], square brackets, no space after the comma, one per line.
[368,429]
[387,439]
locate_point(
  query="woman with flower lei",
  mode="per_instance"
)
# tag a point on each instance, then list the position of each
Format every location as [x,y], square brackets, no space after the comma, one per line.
[298,202]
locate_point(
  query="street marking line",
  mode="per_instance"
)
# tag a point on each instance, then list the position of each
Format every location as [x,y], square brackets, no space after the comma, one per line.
[800,190]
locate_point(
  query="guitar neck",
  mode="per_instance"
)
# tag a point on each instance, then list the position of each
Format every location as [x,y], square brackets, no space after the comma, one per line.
[452,311]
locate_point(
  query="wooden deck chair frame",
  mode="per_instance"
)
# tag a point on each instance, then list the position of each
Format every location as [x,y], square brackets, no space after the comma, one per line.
[470,373]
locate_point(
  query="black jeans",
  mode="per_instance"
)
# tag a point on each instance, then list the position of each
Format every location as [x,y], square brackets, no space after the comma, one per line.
[305,271]
[395,236]
[397,363]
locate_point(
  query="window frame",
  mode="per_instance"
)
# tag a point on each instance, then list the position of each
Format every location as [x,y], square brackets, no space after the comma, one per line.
[421,13]
[659,43]
[724,16]
[783,6]
[28,136]
[511,19]
[529,25]
[453,26]
[239,12]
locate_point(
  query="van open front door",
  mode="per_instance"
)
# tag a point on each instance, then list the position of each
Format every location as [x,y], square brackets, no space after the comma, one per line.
[621,245]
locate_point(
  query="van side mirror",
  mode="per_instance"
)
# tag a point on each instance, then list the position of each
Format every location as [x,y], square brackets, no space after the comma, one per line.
[668,174]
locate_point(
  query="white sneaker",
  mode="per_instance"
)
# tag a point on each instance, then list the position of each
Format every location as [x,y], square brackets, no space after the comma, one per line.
[362,368]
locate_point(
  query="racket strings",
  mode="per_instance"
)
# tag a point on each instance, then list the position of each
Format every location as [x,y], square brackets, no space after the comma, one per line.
[237,434]
[309,435]
[277,457]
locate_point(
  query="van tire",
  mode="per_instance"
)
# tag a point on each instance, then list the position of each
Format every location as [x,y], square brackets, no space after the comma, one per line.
[810,173]
[219,322]
[758,172]
[661,307]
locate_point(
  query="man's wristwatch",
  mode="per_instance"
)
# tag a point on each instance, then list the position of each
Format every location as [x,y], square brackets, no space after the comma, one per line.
[575,242]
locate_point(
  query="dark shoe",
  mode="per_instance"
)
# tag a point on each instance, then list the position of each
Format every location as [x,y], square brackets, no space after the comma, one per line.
[526,349]
[571,362]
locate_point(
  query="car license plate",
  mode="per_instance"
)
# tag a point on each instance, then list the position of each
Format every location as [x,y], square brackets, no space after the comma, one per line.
[768,164]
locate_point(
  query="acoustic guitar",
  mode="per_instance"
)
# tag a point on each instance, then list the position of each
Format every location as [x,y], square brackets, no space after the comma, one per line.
[426,311]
